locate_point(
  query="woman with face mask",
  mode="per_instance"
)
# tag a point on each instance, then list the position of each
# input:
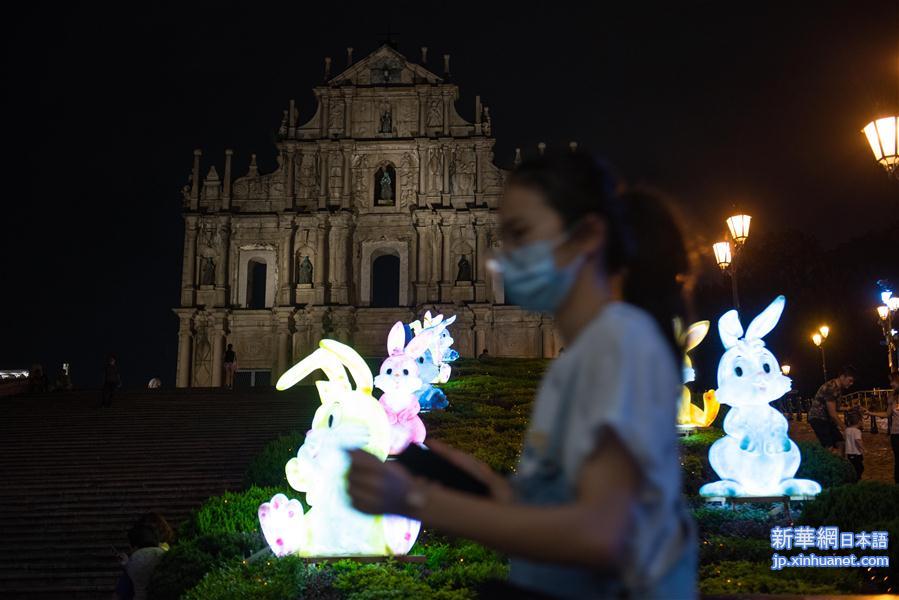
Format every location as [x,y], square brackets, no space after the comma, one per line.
[595,508]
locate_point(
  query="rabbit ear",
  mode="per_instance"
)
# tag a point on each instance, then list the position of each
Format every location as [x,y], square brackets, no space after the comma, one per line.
[419,344]
[729,328]
[695,334]
[767,319]
[449,321]
[396,339]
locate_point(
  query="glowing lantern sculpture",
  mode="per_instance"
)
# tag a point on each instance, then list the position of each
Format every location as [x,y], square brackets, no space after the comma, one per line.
[757,456]
[434,364]
[349,418]
[688,414]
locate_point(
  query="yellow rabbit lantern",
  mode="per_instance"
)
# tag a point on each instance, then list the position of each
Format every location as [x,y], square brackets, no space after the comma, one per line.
[689,415]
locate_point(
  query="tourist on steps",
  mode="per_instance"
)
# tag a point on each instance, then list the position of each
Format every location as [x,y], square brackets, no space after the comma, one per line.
[147,548]
[111,381]
[595,509]
[230,363]
[822,415]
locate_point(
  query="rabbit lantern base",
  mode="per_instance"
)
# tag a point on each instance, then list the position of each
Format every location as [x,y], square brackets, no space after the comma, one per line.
[347,419]
[756,457]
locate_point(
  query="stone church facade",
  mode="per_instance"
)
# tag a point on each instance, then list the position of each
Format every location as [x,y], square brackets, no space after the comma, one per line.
[383,205]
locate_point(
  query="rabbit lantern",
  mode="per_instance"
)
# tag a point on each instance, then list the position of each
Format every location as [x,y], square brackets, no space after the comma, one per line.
[688,414]
[400,379]
[756,457]
[348,418]
[433,364]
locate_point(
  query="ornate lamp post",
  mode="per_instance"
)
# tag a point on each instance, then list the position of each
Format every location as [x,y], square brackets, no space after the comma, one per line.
[885,312]
[726,255]
[882,137]
[785,369]
[819,337]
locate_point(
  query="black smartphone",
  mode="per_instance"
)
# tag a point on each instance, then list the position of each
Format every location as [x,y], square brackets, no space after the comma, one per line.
[423,463]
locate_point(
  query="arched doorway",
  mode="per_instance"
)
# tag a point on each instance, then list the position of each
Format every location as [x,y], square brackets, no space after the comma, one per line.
[385,281]
[257,274]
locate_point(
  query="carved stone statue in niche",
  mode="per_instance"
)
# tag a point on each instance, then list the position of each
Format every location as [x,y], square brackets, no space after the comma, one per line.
[304,271]
[486,122]
[335,117]
[207,271]
[385,186]
[308,176]
[464,273]
[386,123]
[435,113]
[435,168]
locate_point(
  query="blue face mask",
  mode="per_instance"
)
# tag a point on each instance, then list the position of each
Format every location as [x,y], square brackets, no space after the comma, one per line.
[531,278]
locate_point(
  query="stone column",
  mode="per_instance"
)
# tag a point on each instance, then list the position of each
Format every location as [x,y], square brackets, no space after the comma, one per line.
[422,116]
[195,181]
[446,113]
[285,273]
[218,354]
[447,158]
[326,101]
[347,181]
[481,250]
[546,330]
[185,348]
[188,271]
[446,231]
[348,113]
[436,254]
[320,266]
[221,271]
[337,244]
[226,190]
[324,179]
[291,194]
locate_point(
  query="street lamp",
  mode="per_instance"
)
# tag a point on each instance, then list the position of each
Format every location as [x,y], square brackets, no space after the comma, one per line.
[882,137]
[819,337]
[785,369]
[726,255]
[885,313]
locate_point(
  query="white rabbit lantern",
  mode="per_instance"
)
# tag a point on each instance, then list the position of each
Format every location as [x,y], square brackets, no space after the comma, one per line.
[757,456]
[347,419]
[433,365]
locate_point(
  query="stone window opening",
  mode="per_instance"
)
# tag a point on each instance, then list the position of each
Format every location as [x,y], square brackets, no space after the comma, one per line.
[385,281]
[257,275]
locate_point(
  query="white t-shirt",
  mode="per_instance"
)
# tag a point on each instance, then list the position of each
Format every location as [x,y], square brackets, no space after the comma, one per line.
[619,375]
[853,436]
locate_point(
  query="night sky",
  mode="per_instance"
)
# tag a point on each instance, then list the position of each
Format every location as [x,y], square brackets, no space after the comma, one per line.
[757,105]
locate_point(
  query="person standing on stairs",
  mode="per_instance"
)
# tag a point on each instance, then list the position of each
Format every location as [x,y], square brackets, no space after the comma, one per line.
[111,381]
[230,363]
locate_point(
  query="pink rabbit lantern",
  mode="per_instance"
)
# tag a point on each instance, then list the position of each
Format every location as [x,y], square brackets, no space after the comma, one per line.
[399,379]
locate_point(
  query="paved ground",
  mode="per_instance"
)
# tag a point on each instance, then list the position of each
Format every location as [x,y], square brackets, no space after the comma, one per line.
[878,454]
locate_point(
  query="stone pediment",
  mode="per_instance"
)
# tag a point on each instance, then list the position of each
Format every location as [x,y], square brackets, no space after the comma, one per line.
[385,66]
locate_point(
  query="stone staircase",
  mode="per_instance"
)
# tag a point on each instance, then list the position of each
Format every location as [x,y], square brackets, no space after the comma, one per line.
[75,476]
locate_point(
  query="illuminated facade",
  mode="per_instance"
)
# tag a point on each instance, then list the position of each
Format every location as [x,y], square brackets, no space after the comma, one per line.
[383,203]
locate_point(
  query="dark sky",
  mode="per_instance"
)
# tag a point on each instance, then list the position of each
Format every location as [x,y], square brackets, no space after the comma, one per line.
[757,104]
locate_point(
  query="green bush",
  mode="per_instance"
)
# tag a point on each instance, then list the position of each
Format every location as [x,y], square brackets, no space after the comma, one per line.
[818,464]
[854,507]
[267,468]
[275,579]
[743,577]
[232,512]
[699,441]
[733,521]
[377,582]
[182,567]
[720,548]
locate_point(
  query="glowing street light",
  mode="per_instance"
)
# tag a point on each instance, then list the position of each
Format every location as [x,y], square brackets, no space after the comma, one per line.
[818,338]
[738,225]
[726,254]
[785,369]
[882,137]
[885,314]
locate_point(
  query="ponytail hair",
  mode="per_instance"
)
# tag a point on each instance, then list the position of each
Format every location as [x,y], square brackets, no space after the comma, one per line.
[644,241]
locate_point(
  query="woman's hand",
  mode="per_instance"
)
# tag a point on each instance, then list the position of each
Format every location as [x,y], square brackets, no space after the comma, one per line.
[500,489]
[376,487]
